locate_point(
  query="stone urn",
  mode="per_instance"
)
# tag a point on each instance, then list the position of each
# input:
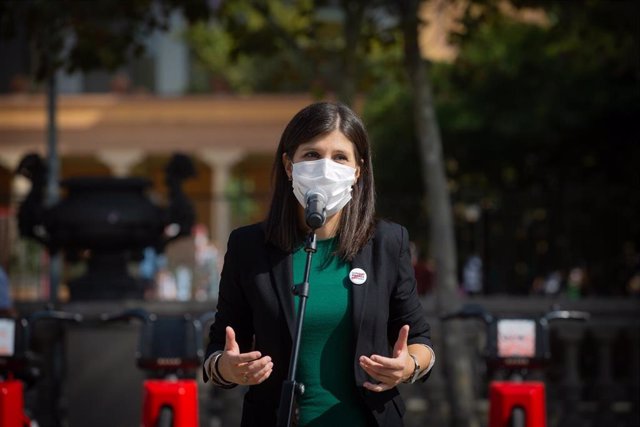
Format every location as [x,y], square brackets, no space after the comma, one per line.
[108,221]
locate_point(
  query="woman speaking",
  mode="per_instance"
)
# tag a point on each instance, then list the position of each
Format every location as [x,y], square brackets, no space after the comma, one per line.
[364,329]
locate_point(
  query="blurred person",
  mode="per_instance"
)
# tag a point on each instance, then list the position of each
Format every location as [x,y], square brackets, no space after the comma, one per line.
[576,283]
[148,268]
[184,279]
[206,275]
[181,262]
[472,275]
[166,286]
[553,283]
[365,331]
[422,269]
[537,286]
[6,305]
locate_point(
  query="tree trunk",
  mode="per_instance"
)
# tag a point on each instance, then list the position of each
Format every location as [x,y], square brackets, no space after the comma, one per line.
[454,353]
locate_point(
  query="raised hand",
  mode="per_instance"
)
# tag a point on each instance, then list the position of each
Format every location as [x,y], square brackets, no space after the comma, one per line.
[389,371]
[242,368]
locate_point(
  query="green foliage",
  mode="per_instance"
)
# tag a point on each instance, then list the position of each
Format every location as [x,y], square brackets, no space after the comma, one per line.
[255,47]
[241,71]
[540,95]
[540,130]
[87,35]
[213,47]
[243,205]
[302,45]
[397,171]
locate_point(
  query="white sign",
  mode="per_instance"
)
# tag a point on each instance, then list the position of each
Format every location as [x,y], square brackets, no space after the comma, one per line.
[516,338]
[7,334]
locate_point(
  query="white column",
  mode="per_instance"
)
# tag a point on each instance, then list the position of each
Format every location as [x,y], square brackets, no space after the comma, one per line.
[120,161]
[221,162]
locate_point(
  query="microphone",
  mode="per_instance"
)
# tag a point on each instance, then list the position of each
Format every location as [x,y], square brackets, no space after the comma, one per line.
[315,212]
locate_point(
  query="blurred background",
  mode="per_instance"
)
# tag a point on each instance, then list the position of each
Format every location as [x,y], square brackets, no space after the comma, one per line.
[505,138]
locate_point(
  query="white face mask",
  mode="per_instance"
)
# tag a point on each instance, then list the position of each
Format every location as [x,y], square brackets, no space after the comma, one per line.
[334,179]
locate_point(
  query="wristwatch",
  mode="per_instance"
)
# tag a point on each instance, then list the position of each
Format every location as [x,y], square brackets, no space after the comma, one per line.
[416,370]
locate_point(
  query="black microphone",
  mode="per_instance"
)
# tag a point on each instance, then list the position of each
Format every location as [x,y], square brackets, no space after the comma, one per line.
[315,212]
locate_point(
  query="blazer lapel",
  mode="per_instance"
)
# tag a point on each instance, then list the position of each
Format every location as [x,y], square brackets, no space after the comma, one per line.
[281,275]
[363,260]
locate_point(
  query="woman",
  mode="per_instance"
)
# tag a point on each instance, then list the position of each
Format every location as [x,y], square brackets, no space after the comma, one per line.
[364,330]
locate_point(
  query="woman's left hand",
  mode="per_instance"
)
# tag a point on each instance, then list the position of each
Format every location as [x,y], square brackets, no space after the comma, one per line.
[389,371]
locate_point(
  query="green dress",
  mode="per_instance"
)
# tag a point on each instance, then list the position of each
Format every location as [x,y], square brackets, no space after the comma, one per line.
[325,363]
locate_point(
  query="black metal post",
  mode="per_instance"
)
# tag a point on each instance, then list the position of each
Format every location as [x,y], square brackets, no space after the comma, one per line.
[53,176]
[291,388]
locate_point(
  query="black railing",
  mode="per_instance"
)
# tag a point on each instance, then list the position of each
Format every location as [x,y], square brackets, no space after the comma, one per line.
[593,379]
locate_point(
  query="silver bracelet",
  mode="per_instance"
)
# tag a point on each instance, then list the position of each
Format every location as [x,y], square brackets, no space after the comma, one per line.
[416,370]
[214,374]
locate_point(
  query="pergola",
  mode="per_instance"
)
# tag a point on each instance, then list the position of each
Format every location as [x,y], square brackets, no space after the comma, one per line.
[121,131]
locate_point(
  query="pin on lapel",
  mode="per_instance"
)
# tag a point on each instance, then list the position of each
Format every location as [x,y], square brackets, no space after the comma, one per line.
[357,276]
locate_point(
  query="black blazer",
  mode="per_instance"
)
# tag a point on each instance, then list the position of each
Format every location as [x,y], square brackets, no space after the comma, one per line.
[256,300]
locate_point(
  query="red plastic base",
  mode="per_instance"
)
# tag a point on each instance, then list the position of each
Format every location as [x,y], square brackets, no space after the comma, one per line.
[11,404]
[181,395]
[505,395]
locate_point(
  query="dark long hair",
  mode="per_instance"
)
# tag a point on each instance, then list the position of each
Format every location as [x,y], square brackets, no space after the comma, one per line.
[357,220]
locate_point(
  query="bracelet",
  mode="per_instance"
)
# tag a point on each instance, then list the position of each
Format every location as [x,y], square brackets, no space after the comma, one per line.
[215,373]
[416,370]
[212,371]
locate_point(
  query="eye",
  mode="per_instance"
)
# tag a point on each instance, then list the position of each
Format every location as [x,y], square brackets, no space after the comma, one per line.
[341,158]
[310,155]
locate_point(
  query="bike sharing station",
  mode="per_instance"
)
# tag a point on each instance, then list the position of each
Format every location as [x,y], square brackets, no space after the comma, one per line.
[517,346]
[106,357]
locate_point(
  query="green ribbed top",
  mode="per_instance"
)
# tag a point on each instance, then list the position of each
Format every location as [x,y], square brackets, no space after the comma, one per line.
[325,363]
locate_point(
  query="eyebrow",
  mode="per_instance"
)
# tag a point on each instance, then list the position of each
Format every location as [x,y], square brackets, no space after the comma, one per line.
[314,148]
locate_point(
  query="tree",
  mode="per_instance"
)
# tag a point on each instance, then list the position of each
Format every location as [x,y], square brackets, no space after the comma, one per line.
[82,36]
[248,47]
[543,113]
[541,137]
[441,232]
[316,46]
[76,35]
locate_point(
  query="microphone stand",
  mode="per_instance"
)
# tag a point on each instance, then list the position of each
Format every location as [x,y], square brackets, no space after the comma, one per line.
[290,387]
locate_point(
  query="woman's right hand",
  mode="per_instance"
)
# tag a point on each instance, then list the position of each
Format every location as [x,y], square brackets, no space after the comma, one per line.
[242,368]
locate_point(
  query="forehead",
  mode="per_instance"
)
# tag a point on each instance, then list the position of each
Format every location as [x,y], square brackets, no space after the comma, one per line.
[334,140]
